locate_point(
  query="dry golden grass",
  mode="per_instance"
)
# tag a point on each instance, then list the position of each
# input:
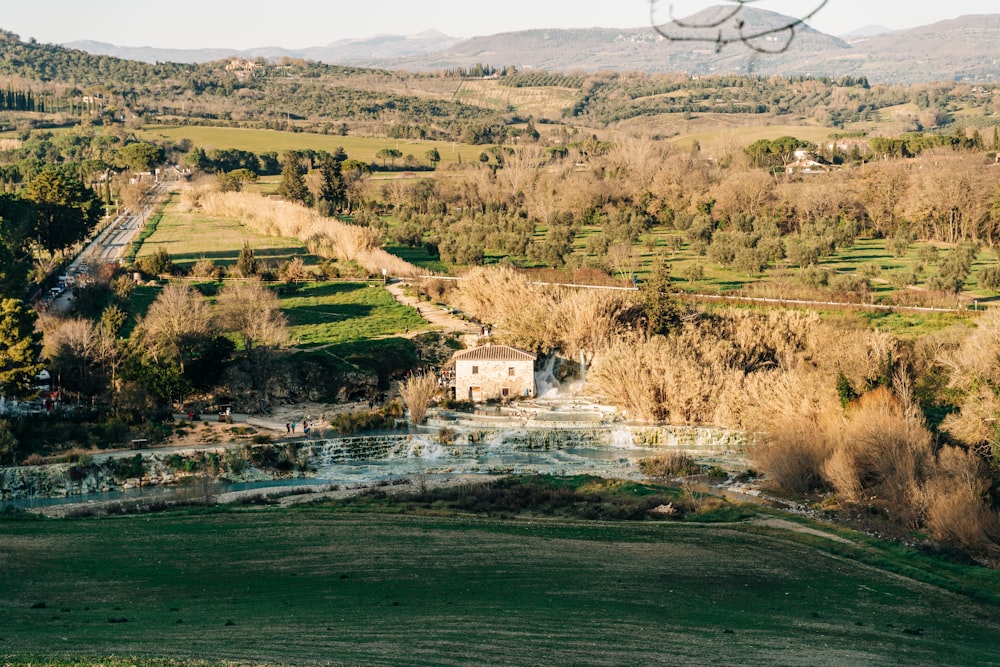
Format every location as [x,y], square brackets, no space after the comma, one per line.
[418,392]
[322,236]
[882,453]
[797,418]
[973,371]
[542,318]
[706,373]
[954,501]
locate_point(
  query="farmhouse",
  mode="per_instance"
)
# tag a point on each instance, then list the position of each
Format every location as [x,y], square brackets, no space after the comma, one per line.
[494,371]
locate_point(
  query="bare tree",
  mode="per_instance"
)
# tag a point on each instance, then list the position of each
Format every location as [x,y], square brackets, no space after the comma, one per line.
[252,310]
[175,322]
[623,258]
[521,167]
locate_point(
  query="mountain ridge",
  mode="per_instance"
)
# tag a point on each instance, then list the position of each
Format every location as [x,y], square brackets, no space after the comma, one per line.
[966,48]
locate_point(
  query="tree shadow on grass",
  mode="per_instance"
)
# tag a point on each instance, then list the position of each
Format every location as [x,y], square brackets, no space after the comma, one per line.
[324,313]
[729,285]
[226,257]
[322,290]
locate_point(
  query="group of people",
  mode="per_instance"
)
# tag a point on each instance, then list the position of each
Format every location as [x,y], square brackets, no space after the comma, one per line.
[290,427]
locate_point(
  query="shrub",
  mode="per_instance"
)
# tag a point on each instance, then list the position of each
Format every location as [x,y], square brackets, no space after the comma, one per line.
[126,468]
[870,270]
[114,430]
[347,423]
[34,460]
[672,464]
[234,459]
[989,278]
[851,284]
[157,264]
[793,455]
[954,501]
[206,268]
[814,276]
[458,405]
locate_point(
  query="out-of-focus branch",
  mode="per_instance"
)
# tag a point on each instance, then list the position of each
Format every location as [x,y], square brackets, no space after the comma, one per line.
[730,19]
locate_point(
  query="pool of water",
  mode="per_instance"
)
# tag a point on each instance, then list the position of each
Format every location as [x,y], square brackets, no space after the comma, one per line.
[192,489]
[506,452]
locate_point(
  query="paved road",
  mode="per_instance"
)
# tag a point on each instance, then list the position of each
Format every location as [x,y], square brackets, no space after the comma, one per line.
[113,242]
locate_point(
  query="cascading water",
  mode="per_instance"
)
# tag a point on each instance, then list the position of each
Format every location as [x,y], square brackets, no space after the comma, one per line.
[546,384]
[578,445]
[622,439]
[550,451]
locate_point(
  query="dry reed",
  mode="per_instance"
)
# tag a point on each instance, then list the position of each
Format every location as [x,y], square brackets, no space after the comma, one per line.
[418,393]
[322,236]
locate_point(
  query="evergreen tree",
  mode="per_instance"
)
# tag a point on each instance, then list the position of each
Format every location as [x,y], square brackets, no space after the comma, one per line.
[293,185]
[20,346]
[16,223]
[332,190]
[663,312]
[246,263]
[66,208]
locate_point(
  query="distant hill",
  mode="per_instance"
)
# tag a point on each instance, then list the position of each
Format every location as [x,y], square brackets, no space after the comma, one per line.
[150,54]
[865,32]
[963,49]
[340,52]
[967,48]
[638,49]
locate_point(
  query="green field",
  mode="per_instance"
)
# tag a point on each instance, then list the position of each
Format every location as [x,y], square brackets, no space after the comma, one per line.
[320,314]
[189,237]
[342,586]
[336,313]
[261,141]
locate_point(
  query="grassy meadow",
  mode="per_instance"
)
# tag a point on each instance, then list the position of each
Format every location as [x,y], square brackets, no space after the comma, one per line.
[261,141]
[343,584]
[189,237]
[336,313]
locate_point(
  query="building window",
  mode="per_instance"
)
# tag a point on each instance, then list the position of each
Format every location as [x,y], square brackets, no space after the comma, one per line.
[510,371]
[475,370]
[505,392]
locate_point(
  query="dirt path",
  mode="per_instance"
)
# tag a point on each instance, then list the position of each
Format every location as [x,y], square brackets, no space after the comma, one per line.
[439,318]
[784,524]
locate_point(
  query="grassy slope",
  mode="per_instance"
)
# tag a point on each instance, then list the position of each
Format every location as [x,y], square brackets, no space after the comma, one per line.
[316,585]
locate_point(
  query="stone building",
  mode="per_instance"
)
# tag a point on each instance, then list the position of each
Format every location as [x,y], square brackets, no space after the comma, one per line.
[494,371]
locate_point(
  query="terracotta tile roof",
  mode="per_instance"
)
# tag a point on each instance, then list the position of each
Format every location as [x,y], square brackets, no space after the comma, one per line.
[494,353]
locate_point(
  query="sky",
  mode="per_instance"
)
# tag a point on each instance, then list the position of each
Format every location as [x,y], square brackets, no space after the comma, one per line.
[244,24]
